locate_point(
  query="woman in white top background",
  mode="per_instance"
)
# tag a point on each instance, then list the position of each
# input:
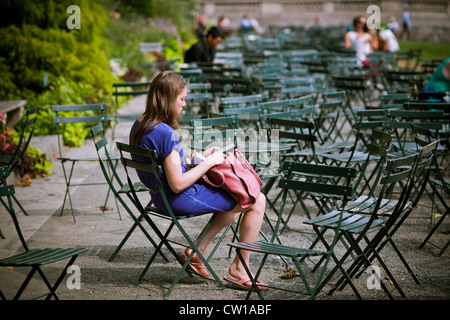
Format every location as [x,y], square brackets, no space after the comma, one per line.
[362,40]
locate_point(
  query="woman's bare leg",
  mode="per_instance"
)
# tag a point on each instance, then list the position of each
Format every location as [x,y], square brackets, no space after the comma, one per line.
[249,229]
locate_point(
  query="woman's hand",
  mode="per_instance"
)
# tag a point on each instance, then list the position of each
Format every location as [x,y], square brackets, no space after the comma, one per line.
[209,151]
[178,180]
[215,157]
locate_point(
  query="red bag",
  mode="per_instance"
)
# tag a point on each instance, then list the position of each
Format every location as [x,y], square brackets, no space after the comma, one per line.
[237,177]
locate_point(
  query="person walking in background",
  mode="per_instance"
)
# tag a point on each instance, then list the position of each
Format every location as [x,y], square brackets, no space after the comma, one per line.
[406,24]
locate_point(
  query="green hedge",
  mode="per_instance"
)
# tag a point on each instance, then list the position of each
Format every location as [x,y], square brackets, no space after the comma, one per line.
[75,62]
[46,63]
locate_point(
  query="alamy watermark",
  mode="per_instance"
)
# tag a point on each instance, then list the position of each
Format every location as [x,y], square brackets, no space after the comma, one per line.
[374,20]
[374,279]
[258,144]
[74,280]
[74,21]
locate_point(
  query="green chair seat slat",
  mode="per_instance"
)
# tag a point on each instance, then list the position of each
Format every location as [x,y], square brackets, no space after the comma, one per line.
[327,216]
[361,225]
[87,158]
[332,220]
[389,206]
[360,203]
[40,256]
[440,184]
[277,249]
[161,214]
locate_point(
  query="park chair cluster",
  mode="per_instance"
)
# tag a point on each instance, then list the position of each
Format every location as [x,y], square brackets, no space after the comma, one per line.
[357,143]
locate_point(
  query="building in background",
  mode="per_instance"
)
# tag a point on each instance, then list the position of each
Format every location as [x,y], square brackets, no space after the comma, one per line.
[431,19]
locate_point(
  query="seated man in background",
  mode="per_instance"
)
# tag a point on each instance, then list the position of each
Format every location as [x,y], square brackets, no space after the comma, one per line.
[205,49]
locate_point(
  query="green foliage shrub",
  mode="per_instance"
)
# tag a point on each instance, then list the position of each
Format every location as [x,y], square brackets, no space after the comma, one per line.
[125,38]
[75,61]
[35,43]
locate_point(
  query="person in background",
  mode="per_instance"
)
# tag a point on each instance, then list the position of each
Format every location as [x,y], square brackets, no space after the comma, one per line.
[246,24]
[393,26]
[361,40]
[186,191]
[205,49]
[318,21]
[388,41]
[406,24]
[199,26]
[224,24]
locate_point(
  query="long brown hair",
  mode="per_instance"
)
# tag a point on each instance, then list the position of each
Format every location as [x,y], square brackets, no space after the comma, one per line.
[161,104]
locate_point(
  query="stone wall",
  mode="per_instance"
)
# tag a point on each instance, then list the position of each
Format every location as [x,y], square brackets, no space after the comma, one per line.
[431,19]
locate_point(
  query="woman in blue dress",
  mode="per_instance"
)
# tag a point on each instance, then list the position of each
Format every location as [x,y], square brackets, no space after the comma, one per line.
[185,190]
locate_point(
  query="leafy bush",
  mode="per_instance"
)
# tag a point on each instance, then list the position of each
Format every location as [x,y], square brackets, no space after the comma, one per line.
[33,162]
[125,38]
[136,21]
[75,61]
[44,62]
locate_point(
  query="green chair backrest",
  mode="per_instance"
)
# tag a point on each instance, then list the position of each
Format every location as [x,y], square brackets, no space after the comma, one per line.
[208,132]
[84,113]
[61,117]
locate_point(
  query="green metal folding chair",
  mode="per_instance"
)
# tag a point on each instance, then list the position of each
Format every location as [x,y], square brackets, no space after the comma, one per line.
[380,216]
[11,161]
[329,116]
[119,188]
[65,116]
[144,160]
[295,253]
[399,122]
[198,104]
[33,258]
[368,160]
[125,89]
[304,147]
[214,132]
[245,107]
[439,185]
[356,97]
[404,81]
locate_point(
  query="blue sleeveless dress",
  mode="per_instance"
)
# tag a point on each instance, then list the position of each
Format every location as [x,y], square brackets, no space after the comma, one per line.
[198,199]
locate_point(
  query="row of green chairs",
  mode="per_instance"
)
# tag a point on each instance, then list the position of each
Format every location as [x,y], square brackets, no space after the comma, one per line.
[350,223]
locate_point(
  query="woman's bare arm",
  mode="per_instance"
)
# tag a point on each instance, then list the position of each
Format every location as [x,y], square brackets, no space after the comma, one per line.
[179,181]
